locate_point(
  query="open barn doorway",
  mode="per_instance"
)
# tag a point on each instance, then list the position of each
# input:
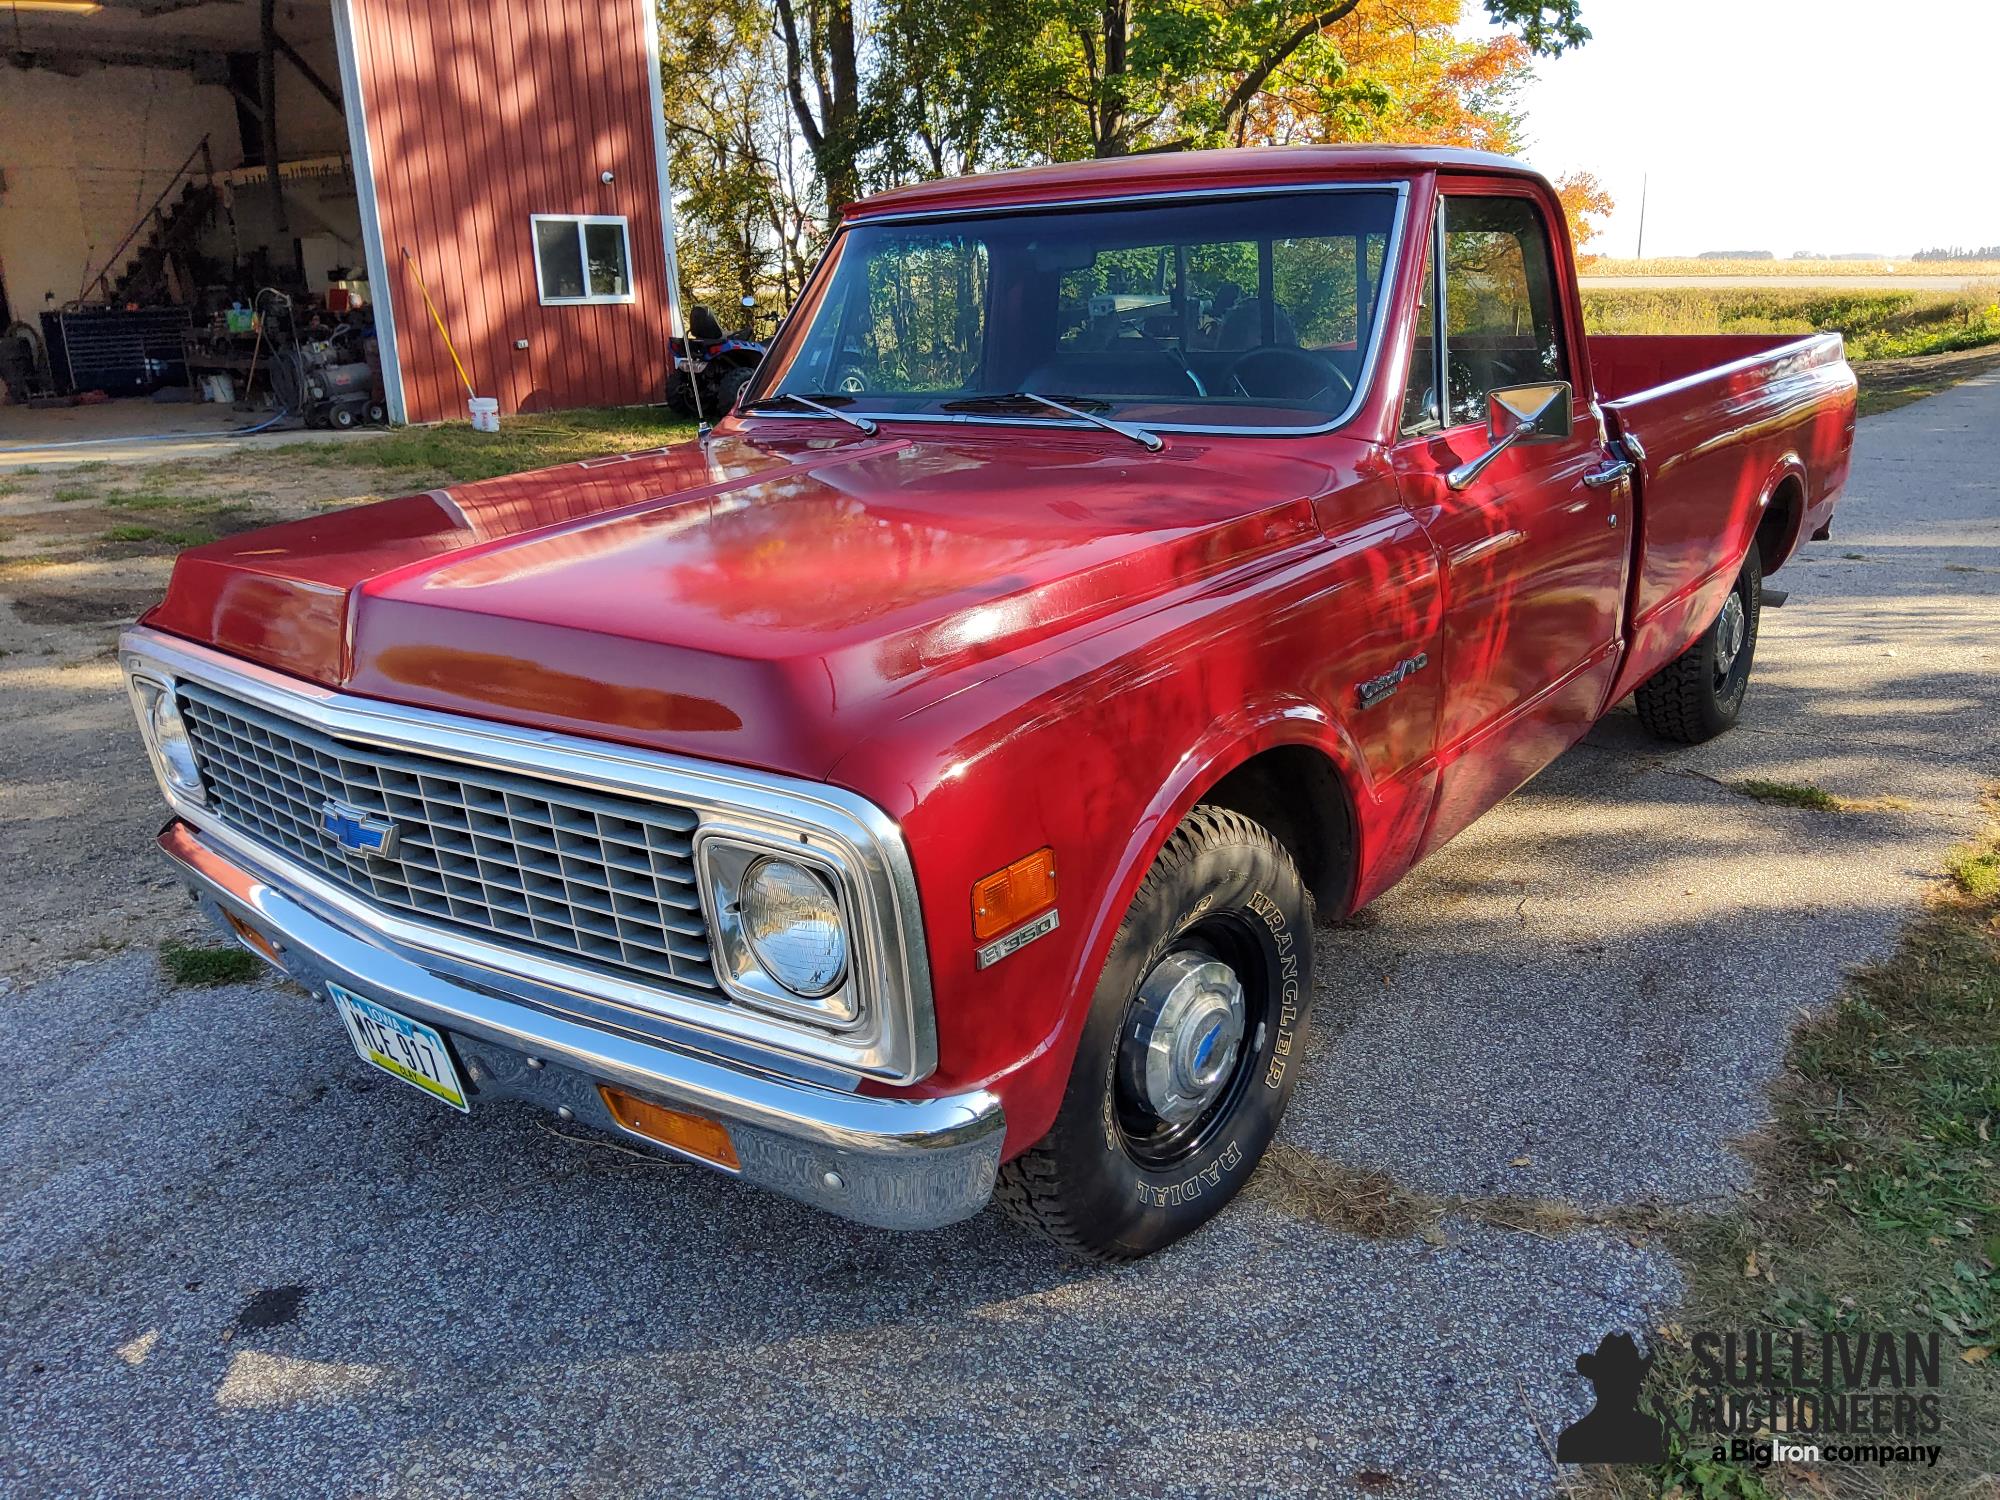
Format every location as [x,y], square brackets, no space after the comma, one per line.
[181,223]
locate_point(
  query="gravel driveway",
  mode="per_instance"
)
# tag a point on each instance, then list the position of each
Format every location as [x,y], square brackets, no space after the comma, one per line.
[238,1262]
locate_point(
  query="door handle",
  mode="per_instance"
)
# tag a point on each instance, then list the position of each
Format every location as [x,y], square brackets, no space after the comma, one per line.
[1610,474]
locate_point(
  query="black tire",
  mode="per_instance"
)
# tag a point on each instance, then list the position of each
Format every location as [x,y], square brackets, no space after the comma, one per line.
[680,393]
[1113,1180]
[1699,693]
[728,388]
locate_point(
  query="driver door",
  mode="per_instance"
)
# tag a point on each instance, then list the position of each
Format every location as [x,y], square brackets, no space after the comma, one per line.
[1533,558]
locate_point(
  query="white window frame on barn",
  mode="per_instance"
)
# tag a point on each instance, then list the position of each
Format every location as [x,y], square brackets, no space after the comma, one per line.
[579,222]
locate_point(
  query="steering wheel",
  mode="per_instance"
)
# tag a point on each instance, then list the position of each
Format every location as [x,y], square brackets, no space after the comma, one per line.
[1285,370]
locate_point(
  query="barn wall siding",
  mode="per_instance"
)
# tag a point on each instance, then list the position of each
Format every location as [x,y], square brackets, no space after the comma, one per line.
[479,116]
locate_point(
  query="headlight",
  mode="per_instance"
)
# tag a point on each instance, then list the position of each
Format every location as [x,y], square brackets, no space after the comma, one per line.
[167,737]
[781,929]
[793,924]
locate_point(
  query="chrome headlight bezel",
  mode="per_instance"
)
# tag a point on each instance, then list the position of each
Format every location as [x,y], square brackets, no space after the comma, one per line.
[168,744]
[724,859]
[893,1039]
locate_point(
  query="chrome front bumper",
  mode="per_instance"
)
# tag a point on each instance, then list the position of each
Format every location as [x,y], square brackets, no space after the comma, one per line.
[892,1163]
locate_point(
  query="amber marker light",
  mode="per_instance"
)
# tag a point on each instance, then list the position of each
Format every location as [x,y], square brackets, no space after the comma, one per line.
[1008,897]
[690,1133]
[254,938]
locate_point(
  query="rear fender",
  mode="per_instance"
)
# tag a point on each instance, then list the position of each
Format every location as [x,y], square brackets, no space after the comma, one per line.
[1788,523]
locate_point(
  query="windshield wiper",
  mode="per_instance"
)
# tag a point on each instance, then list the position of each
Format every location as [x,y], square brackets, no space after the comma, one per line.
[871,428]
[1150,441]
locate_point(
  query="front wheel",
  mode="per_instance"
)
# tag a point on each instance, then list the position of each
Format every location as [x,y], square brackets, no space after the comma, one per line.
[1190,1051]
[1699,693]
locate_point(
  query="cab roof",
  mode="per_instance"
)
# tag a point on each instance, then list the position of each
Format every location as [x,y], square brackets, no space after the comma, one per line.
[1179,171]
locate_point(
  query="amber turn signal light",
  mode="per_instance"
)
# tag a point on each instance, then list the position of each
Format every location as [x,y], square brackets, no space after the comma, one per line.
[690,1133]
[1008,897]
[254,938]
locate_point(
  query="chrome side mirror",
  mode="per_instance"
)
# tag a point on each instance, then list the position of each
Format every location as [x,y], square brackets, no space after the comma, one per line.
[1539,413]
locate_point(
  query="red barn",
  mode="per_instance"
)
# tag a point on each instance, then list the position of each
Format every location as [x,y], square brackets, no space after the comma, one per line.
[510,158]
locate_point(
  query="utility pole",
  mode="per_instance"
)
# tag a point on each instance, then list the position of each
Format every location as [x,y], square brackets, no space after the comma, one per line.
[1645,181]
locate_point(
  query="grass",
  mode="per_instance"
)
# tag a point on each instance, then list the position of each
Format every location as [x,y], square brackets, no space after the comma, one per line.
[69,492]
[1888,384]
[1878,325]
[453,451]
[152,499]
[130,534]
[1976,872]
[1916,270]
[1803,794]
[1875,1201]
[188,964]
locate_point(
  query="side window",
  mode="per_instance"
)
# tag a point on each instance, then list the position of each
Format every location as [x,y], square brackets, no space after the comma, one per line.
[1501,325]
[1420,394]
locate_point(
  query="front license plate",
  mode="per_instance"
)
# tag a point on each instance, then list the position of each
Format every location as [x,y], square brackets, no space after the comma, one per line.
[408,1049]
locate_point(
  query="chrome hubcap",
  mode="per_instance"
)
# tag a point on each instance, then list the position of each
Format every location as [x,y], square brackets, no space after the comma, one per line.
[1728,635]
[1187,1033]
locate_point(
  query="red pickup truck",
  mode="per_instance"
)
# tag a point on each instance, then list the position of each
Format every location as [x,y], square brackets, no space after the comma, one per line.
[925,788]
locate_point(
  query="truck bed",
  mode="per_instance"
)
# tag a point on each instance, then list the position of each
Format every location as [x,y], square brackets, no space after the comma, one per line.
[1741,440]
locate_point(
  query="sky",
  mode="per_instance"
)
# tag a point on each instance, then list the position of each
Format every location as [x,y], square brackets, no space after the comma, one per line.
[1782,125]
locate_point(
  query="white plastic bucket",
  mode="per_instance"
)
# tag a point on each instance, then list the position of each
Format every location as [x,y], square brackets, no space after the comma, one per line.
[485,412]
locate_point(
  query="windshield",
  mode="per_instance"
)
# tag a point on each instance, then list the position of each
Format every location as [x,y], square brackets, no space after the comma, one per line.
[1253,312]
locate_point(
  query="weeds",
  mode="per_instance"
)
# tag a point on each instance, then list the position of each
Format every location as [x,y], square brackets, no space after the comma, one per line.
[144,499]
[1976,873]
[1790,794]
[1876,1195]
[1803,794]
[207,967]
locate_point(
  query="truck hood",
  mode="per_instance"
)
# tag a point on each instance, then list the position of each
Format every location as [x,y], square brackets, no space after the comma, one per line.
[764,602]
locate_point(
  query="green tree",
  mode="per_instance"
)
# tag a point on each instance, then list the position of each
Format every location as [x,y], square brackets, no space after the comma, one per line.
[823,84]
[1150,75]
[747,212]
[781,111]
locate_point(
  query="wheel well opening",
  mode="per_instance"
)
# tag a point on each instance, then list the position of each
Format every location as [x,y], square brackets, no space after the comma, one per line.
[1780,526]
[1295,792]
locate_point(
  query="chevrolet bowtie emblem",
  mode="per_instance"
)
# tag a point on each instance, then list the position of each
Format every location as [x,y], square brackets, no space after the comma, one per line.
[358,831]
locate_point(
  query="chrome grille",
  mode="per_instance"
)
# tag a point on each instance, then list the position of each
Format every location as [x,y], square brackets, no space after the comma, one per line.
[602,879]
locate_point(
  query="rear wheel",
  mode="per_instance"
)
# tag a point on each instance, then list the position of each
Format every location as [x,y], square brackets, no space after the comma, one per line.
[1699,693]
[1189,1053]
[728,388]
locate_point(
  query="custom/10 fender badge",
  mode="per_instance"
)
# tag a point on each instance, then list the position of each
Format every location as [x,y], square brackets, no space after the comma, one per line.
[1375,689]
